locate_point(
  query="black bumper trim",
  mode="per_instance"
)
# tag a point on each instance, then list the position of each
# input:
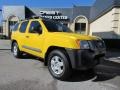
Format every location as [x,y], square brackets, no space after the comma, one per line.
[84,59]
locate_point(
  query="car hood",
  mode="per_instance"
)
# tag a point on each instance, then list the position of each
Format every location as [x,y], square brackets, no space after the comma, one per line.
[74,36]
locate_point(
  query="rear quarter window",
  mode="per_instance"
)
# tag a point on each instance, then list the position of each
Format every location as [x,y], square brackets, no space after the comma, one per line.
[23,26]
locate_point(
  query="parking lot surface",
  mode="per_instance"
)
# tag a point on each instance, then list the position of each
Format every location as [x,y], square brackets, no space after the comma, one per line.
[29,73]
[5,44]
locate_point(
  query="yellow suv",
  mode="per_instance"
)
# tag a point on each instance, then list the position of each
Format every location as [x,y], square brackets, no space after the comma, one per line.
[61,49]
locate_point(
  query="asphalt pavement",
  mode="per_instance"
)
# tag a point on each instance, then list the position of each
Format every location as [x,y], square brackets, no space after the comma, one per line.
[5,44]
[29,73]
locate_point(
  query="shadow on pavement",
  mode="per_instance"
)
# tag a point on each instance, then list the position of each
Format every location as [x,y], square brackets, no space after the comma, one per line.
[106,70]
[79,76]
[28,56]
[112,53]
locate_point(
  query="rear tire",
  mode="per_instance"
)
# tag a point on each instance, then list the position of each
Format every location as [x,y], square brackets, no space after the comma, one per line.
[15,50]
[58,65]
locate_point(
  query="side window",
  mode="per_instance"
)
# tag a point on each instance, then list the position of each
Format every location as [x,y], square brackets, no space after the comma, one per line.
[15,27]
[35,27]
[23,26]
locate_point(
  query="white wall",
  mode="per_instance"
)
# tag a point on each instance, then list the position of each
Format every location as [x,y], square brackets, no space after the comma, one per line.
[107,26]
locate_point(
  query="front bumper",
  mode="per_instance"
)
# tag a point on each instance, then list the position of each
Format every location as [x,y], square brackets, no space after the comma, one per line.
[85,59]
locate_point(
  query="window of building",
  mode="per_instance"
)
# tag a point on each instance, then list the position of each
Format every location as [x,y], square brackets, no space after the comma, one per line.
[11,25]
[35,27]
[23,26]
[80,27]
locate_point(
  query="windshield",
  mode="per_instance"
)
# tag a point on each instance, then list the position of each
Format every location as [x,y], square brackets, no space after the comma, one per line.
[53,26]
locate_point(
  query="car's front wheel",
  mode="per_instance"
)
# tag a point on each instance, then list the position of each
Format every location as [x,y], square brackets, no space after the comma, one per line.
[15,50]
[59,65]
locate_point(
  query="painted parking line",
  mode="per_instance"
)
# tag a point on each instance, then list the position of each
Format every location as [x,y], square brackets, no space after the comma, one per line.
[115,59]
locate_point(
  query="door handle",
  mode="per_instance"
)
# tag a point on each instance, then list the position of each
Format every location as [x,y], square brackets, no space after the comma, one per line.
[27,36]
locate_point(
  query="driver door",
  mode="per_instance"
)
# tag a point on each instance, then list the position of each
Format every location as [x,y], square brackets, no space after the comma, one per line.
[35,38]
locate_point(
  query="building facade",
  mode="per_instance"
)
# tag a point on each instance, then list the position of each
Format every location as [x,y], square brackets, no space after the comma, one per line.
[101,19]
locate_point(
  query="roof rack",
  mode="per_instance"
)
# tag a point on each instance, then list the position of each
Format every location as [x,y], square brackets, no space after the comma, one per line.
[34,17]
[37,17]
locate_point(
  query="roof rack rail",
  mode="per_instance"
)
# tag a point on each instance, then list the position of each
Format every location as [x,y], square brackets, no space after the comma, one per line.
[37,17]
[34,17]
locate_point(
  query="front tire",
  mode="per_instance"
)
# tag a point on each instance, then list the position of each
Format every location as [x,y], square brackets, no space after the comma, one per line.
[15,50]
[58,64]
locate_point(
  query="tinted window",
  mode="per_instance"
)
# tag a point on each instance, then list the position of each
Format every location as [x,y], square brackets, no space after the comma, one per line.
[35,27]
[15,27]
[53,26]
[80,27]
[23,26]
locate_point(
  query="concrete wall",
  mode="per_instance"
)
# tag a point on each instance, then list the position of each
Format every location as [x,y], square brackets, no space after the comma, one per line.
[18,11]
[108,25]
[8,13]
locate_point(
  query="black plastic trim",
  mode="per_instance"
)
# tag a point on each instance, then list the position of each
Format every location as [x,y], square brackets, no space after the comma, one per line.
[84,59]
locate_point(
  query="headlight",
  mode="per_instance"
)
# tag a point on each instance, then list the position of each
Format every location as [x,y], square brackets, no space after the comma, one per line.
[84,45]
